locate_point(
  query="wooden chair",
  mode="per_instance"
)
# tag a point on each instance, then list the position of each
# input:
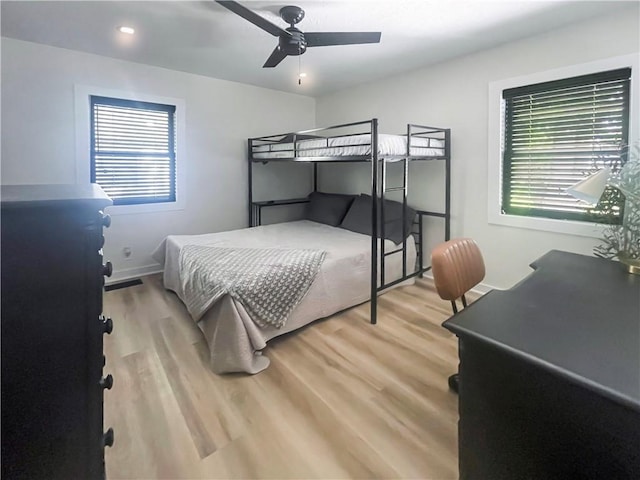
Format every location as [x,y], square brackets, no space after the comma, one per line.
[457,267]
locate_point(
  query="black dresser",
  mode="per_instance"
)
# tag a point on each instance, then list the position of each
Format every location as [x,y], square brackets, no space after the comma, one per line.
[550,375]
[52,329]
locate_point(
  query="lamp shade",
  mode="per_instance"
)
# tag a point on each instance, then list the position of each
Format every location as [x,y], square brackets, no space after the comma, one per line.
[590,189]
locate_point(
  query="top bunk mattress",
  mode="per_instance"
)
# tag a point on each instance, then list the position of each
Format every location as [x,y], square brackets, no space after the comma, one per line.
[353,145]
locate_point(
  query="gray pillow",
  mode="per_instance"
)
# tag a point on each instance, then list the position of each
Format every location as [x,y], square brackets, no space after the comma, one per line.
[358,219]
[328,208]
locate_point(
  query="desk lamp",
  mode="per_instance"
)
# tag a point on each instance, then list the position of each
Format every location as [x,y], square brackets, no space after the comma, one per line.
[590,190]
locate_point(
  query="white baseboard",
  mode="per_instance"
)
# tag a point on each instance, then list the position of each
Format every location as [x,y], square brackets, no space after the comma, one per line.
[130,273]
[480,289]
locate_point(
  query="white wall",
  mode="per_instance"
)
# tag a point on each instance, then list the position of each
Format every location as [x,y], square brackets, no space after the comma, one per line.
[38,135]
[38,139]
[454,94]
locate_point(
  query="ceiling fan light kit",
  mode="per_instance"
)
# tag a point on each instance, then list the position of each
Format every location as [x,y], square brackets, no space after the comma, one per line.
[293,42]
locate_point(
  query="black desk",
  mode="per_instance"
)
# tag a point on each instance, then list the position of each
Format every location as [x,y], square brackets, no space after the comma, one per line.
[550,374]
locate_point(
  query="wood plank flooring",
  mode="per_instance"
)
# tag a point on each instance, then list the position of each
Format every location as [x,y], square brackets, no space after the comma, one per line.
[341,399]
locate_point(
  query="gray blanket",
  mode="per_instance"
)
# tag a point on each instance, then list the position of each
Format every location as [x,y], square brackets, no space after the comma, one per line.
[268,282]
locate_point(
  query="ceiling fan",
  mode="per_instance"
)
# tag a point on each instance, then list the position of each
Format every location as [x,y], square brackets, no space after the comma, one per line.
[292,41]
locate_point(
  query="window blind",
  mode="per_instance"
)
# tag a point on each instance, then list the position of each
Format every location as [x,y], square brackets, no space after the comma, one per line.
[133,150]
[555,134]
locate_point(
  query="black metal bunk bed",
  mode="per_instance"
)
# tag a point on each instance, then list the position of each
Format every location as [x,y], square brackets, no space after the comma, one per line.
[304,147]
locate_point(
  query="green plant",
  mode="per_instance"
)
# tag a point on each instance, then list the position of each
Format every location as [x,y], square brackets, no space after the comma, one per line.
[622,241]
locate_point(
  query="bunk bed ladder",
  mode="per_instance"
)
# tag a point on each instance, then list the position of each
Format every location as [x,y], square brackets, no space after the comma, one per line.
[384,254]
[385,189]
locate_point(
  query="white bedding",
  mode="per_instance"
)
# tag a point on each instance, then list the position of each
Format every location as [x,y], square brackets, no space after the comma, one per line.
[235,341]
[388,145]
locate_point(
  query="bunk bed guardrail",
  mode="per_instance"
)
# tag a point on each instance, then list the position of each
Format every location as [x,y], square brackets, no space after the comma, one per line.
[325,144]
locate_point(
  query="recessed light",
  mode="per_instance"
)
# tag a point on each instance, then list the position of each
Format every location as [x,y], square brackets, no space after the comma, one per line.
[127,30]
[302,75]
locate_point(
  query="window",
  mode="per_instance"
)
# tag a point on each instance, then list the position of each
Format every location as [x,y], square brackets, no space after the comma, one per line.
[133,150]
[556,132]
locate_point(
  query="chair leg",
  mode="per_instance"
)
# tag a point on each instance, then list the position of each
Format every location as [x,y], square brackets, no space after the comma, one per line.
[454,306]
[464,301]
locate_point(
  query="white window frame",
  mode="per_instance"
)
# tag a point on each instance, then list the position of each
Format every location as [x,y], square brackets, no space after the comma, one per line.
[495,140]
[83,144]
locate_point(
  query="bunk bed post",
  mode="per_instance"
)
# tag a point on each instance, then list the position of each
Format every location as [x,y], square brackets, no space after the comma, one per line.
[383,234]
[405,193]
[315,176]
[421,250]
[250,185]
[447,219]
[374,221]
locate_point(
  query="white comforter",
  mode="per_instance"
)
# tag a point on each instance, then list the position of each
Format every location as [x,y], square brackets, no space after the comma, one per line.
[235,341]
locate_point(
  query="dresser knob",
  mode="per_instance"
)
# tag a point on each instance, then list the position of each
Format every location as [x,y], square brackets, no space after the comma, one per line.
[107,382]
[107,438]
[107,325]
[106,220]
[107,269]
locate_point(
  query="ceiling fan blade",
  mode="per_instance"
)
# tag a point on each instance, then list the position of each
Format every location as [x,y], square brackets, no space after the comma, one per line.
[323,39]
[254,18]
[275,58]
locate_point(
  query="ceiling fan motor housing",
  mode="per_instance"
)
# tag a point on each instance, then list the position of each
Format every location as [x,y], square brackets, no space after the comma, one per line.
[295,44]
[291,14]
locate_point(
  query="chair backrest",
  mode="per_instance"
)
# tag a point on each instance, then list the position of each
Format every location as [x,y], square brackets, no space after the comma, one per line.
[457,267]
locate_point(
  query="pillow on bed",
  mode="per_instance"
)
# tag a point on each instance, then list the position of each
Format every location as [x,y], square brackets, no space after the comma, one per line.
[329,208]
[358,219]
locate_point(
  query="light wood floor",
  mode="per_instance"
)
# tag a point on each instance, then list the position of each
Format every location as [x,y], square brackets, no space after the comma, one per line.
[341,399]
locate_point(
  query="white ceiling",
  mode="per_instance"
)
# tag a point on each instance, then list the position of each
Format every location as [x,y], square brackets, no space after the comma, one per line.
[207,39]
